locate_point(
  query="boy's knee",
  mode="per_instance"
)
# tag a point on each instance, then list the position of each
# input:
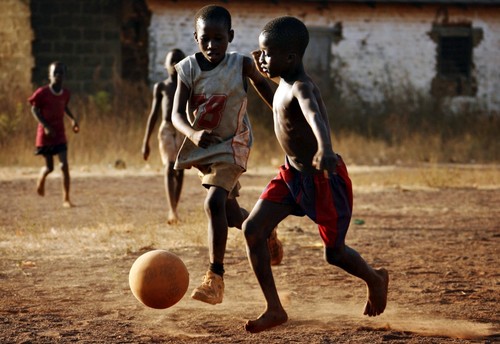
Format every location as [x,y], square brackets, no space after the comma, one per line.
[251,232]
[334,255]
[213,205]
[233,220]
[246,228]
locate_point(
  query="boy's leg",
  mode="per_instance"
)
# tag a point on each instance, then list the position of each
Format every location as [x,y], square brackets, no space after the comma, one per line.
[275,248]
[44,172]
[63,158]
[178,182]
[377,281]
[235,214]
[235,217]
[172,190]
[212,288]
[215,208]
[264,217]
[169,143]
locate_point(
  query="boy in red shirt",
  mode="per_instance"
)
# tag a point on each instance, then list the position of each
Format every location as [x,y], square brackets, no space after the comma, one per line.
[49,104]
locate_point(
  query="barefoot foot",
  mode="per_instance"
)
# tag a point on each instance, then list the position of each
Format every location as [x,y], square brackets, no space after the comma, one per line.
[68,204]
[266,321]
[172,218]
[377,294]
[40,188]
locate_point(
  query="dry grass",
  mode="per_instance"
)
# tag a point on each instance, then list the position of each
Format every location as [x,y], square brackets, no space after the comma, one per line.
[112,129]
[436,176]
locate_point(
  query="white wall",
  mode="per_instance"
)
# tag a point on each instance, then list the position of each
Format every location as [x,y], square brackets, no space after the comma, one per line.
[382,46]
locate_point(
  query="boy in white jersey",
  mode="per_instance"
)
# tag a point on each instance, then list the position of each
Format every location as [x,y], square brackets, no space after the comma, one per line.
[212,83]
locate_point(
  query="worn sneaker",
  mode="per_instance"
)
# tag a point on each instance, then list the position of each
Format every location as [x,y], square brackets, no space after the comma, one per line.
[211,289]
[275,248]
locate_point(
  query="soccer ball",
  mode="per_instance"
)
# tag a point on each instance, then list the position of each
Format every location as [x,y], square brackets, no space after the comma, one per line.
[158,279]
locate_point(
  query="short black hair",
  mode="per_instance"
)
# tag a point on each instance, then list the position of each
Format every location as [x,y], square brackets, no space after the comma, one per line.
[57,63]
[288,33]
[213,12]
[177,52]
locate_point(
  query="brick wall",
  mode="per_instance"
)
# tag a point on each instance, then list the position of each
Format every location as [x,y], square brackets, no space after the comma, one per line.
[83,34]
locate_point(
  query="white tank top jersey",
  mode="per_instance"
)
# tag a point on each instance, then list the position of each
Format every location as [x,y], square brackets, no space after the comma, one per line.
[218,102]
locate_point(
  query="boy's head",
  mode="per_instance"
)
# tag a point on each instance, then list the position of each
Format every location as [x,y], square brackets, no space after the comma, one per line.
[173,57]
[213,13]
[213,32]
[287,33]
[282,43]
[57,71]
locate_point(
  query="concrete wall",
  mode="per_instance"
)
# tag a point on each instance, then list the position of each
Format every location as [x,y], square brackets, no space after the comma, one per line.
[382,47]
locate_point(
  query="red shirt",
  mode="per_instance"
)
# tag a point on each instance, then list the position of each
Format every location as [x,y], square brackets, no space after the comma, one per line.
[52,107]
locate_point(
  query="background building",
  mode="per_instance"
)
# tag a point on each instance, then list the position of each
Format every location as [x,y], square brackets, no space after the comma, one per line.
[364,49]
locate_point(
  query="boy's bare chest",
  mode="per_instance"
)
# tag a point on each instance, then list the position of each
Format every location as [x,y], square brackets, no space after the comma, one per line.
[283,97]
[286,109]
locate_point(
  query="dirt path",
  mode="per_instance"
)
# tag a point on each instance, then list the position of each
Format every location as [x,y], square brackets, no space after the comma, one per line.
[64,273]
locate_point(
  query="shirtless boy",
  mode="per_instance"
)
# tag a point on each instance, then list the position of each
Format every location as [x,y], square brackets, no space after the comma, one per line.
[169,139]
[314,180]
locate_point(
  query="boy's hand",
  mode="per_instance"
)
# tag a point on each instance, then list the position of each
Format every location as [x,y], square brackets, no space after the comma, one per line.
[75,126]
[204,138]
[48,131]
[325,161]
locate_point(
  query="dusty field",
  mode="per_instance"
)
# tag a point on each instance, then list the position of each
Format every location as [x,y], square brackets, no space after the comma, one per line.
[64,272]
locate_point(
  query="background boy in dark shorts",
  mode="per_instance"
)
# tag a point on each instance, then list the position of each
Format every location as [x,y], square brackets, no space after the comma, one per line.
[49,105]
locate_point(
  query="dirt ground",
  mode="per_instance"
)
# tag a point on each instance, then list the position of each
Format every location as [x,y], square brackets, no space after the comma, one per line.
[64,272]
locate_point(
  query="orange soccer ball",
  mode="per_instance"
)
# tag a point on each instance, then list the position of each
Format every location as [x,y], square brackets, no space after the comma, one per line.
[158,279]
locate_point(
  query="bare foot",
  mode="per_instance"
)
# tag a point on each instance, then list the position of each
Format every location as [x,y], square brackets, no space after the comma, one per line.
[377,295]
[40,188]
[266,321]
[68,204]
[172,218]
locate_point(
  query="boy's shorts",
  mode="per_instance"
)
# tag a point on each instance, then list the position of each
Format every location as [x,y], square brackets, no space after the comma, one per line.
[170,141]
[221,174]
[326,200]
[51,150]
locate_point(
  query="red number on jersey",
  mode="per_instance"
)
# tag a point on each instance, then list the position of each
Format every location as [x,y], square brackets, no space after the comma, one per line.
[209,111]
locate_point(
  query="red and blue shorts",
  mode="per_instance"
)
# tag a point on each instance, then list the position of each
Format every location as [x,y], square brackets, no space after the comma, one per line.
[327,200]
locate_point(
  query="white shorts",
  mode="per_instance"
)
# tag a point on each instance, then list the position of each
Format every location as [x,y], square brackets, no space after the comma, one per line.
[170,141]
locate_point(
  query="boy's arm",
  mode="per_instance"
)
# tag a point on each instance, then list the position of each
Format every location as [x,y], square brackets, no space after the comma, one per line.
[169,93]
[152,118]
[201,138]
[38,116]
[325,158]
[74,123]
[258,80]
